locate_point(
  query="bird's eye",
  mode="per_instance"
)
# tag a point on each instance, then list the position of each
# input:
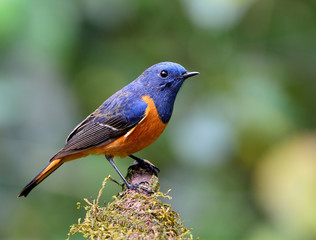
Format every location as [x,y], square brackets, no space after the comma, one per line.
[164,73]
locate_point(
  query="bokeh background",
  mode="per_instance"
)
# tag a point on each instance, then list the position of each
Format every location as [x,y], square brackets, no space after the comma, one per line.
[240,151]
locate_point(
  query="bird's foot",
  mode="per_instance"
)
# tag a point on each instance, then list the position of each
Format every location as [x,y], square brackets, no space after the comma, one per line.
[137,187]
[144,164]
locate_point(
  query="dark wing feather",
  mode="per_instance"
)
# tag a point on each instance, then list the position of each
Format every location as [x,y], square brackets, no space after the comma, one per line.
[100,129]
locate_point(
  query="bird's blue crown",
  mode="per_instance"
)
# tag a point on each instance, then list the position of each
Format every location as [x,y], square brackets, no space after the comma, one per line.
[162,82]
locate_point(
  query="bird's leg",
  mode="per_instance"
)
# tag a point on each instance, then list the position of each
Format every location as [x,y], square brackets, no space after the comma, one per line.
[110,159]
[144,164]
[127,184]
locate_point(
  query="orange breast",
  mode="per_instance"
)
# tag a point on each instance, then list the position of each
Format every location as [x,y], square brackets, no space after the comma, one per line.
[141,136]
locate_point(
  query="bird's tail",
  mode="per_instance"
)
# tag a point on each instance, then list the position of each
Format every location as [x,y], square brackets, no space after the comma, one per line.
[51,167]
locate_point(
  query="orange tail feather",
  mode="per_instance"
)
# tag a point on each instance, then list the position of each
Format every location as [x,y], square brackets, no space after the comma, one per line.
[51,167]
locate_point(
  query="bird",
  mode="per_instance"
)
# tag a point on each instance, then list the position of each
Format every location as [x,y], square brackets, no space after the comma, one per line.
[128,121]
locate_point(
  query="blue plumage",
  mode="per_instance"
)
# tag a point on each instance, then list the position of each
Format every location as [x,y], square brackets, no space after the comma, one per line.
[163,90]
[128,121]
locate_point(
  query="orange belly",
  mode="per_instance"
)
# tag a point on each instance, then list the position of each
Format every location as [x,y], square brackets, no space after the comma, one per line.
[145,133]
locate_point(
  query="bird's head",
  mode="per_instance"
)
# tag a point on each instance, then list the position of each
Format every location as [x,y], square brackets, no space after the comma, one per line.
[165,77]
[162,82]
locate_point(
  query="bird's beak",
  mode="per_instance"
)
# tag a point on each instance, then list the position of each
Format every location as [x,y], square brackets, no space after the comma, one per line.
[189,74]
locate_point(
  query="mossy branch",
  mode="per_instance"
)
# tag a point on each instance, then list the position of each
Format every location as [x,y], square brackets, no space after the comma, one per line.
[133,214]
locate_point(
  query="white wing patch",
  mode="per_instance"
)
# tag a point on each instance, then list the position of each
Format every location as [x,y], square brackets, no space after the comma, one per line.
[130,131]
[108,126]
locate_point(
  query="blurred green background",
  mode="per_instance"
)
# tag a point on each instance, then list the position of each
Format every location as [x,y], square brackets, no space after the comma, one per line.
[240,151]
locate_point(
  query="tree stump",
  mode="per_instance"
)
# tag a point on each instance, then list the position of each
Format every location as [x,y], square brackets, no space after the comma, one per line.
[134,214]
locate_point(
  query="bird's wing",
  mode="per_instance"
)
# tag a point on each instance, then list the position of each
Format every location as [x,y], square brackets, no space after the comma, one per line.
[108,123]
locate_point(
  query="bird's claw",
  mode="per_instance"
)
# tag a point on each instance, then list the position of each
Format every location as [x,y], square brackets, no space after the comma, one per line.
[145,165]
[137,186]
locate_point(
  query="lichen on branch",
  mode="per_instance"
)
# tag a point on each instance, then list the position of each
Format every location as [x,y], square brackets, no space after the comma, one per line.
[134,214]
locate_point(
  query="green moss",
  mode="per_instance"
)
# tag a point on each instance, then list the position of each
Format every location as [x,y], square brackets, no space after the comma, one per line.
[132,215]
